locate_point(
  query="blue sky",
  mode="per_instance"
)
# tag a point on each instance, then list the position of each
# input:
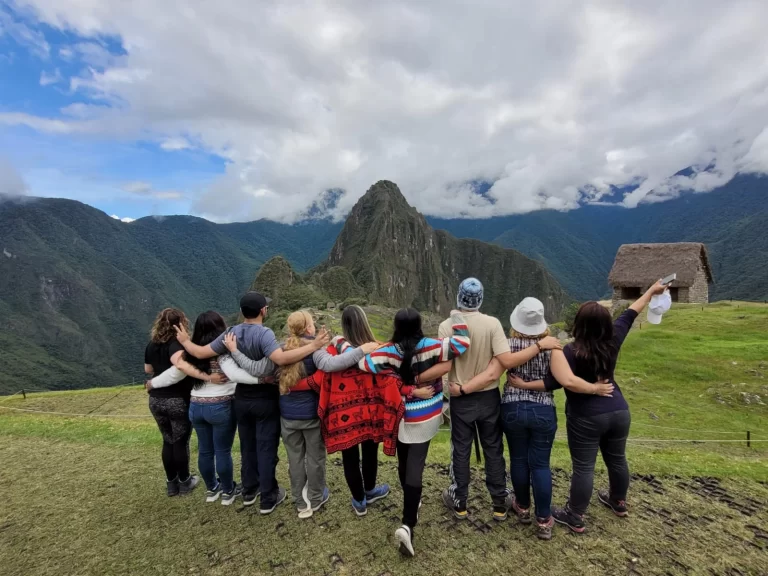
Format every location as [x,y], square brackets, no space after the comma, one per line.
[243,110]
[127,177]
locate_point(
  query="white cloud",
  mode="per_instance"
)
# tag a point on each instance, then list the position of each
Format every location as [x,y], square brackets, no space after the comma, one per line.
[142,188]
[48,79]
[173,144]
[544,99]
[15,27]
[11,182]
[126,219]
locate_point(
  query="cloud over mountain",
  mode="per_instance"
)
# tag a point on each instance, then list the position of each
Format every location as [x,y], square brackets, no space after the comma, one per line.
[552,103]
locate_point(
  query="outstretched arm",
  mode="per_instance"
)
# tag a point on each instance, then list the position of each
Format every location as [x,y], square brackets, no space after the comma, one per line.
[236,374]
[562,372]
[283,357]
[514,359]
[602,388]
[639,304]
[193,349]
[168,378]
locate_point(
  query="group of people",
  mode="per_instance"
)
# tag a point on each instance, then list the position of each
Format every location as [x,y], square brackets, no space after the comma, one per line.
[352,393]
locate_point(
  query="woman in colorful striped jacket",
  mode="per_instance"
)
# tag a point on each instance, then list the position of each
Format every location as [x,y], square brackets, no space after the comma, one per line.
[420,362]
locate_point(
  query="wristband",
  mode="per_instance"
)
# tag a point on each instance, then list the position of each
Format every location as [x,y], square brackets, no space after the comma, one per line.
[539,346]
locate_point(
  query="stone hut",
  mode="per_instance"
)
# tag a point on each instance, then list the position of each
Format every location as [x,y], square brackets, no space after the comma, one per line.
[637,266]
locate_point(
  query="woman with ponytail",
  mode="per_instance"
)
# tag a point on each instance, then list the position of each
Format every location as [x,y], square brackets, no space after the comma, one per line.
[300,424]
[420,363]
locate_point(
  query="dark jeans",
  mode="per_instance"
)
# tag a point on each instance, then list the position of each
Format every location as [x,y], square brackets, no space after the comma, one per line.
[411,459]
[608,432]
[215,425]
[258,424]
[479,409]
[350,457]
[171,415]
[530,430]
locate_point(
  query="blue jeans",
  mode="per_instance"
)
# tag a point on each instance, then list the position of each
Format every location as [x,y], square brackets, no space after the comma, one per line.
[215,425]
[530,430]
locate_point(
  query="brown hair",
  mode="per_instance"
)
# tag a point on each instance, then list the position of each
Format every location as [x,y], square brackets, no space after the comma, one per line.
[162,329]
[515,334]
[355,327]
[296,325]
[593,337]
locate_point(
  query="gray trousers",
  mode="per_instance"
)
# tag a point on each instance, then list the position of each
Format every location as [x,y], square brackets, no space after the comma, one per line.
[306,459]
[479,410]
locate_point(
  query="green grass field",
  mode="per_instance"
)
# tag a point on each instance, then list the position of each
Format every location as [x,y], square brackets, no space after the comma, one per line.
[84,494]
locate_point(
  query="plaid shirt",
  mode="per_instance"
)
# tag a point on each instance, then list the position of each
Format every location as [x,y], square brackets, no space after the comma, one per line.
[535,369]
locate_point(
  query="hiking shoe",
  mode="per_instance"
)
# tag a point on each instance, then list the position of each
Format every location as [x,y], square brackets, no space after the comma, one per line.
[404,537]
[523,514]
[172,486]
[249,499]
[228,498]
[500,513]
[544,528]
[281,495]
[360,508]
[619,507]
[326,497]
[567,517]
[459,510]
[188,485]
[213,495]
[379,492]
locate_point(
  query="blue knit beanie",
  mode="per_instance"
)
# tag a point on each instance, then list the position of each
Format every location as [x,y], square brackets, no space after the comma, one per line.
[470,296]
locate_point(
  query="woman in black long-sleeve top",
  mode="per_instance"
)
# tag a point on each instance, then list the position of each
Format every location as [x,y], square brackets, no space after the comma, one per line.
[595,422]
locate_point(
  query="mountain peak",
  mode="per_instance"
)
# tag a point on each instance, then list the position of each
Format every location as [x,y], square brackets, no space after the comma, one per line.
[384,195]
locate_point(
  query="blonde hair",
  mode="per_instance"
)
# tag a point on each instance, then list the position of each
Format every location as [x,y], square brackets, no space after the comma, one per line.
[296,325]
[162,328]
[515,334]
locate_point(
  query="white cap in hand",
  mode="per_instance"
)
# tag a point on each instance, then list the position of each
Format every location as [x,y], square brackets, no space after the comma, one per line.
[660,303]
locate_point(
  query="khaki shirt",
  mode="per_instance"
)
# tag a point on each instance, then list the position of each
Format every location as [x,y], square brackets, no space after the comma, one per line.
[487,339]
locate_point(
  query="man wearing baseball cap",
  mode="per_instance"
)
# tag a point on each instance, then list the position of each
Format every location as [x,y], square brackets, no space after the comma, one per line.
[257,407]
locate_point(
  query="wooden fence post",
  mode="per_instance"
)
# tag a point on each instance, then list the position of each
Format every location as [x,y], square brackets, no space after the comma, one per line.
[23,393]
[749,437]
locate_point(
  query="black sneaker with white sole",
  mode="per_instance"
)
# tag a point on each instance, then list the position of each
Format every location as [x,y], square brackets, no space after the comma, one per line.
[619,507]
[228,498]
[249,499]
[172,486]
[404,537]
[281,495]
[213,495]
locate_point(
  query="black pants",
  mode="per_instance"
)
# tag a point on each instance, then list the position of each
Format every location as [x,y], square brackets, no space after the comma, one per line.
[350,457]
[608,432]
[258,425]
[481,410]
[411,459]
[172,417]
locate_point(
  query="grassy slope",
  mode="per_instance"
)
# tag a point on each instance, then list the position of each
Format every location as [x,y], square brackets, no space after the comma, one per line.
[84,495]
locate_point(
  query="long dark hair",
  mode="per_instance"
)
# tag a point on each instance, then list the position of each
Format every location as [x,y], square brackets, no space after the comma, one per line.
[593,338]
[406,336]
[355,327]
[208,326]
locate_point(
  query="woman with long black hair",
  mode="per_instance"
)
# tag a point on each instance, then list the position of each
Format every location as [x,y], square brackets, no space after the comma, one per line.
[420,362]
[595,422]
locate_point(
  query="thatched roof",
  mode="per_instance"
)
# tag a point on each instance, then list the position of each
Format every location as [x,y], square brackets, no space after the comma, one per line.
[642,264]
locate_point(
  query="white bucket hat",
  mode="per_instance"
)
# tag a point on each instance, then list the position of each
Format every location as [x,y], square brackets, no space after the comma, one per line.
[528,317]
[660,303]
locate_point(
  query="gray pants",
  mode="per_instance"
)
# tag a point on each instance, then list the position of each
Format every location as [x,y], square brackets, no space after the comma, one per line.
[306,459]
[479,410]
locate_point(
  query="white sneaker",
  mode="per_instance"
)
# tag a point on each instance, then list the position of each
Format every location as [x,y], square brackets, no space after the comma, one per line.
[403,536]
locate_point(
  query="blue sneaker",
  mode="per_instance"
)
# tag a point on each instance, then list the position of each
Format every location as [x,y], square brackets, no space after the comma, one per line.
[326,497]
[360,508]
[379,492]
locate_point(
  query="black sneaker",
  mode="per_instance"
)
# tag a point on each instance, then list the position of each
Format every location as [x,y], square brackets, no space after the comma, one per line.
[619,507]
[228,498]
[172,486]
[188,485]
[281,495]
[459,509]
[523,514]
[567,517]
[249,499]
[544,528]
[404,537]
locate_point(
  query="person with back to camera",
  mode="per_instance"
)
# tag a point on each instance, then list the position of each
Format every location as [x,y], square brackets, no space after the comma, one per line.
[480,408]
[528,415]
[595,422]
[257,408]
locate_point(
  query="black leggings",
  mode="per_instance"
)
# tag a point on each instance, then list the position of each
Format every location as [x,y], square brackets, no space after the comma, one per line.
[608,433]
[350,457]
[172,417]
[411,459]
